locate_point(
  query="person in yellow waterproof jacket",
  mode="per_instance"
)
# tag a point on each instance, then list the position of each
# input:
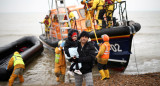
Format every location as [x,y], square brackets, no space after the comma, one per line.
[71,17]
[19,67]
[47,22]
[60,63]
[103,56]
[91,12]
[110,10]
[99,6]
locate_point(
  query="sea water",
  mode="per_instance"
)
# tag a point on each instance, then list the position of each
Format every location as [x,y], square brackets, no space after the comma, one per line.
[145,57]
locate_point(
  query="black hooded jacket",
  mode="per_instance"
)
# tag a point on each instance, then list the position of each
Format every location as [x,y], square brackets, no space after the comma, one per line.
[69,42]
[86,57]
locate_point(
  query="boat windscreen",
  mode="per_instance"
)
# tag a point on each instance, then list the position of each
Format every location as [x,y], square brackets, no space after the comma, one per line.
[82,12]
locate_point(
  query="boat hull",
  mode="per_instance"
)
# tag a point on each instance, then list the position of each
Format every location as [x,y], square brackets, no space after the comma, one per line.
[120,40]
[29,47]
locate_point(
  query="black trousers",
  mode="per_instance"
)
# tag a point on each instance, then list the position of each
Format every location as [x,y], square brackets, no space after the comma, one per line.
[102,66]
[71,67]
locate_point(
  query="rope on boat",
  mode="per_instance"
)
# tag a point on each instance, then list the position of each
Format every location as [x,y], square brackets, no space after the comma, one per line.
[135,57]
[92,24]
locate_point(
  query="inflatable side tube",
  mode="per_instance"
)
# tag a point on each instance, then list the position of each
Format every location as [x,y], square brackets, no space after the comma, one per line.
[117,31]
[34,48]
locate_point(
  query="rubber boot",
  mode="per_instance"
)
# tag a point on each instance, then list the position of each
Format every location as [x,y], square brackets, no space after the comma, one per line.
[21,79]
[57,76]
[62,78]
[102,75]
[57,79]
[107,73]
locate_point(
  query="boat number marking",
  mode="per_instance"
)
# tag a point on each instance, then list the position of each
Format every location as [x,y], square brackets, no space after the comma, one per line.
[116,48]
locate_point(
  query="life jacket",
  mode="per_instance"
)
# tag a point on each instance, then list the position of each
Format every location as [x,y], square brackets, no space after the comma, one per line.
[101,4]
[46,22]
[57,56]
[18,59]
[107,51]
[109,2]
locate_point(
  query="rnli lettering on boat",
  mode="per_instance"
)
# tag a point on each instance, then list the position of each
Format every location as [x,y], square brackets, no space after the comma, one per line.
[115,47]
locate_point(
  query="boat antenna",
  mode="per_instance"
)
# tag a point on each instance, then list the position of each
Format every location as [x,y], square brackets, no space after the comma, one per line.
[52,5]
[49,5]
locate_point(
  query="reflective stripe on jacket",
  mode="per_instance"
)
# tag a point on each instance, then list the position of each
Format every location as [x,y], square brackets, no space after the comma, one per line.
[107,51]
[103,54]
[18,60]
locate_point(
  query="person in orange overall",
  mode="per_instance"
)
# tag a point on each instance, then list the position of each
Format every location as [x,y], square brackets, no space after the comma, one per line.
[91,12]
[103,56]
[60,63]
[19,67]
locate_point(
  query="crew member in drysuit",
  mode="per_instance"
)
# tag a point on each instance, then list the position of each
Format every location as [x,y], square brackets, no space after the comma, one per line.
[103,56]
[60,63]
[71,17]
[47,22]
[88,14]
[19,67]
[99,6]
[110,10]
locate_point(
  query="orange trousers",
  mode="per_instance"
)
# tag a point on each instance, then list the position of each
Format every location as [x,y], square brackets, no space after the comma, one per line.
[60,72]
[13,77]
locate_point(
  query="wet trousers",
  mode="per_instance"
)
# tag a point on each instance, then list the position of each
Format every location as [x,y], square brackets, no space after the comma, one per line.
[16,73]
[60,73]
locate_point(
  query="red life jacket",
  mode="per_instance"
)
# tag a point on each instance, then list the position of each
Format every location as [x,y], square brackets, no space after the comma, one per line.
[46,22]
[65,17]
[109,1]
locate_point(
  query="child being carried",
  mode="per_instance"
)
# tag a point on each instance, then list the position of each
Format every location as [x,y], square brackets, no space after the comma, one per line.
[71,52]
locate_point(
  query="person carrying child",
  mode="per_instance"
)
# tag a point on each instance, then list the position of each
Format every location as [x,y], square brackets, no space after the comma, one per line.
[60,63]
[70,48]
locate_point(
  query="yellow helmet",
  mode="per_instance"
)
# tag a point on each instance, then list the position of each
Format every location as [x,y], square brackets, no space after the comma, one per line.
[16,52]
[105,37]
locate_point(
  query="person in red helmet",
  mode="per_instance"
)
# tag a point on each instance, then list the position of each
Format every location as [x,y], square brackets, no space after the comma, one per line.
[103,56]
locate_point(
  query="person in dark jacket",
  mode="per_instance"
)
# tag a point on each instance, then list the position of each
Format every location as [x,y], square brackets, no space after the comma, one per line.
[70,48]
[87,55]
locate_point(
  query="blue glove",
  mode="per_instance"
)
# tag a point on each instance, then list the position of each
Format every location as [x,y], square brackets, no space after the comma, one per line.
[97,43]
[87,9]
[6,68]
[62,44]
[81,0]
[70,19]
[86,1]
